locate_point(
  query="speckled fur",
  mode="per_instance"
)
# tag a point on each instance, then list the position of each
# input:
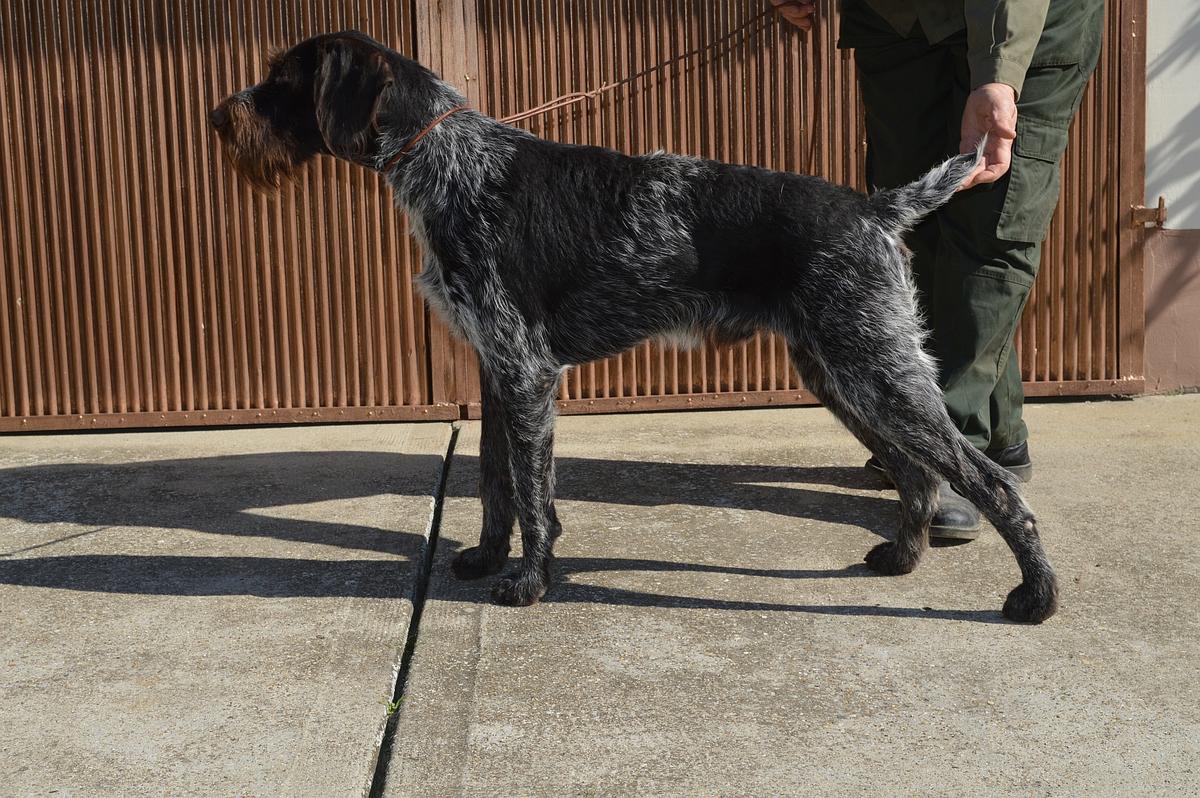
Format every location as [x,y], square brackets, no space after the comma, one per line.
[543,255]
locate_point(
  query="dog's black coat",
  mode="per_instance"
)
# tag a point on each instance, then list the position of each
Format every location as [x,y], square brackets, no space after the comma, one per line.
[544,255]
[753,234]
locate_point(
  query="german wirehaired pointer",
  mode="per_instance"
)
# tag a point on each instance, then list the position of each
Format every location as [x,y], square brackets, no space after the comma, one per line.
[544,255]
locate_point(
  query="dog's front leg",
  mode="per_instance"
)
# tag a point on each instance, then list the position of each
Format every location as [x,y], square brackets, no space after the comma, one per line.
[527,394]
[495,491]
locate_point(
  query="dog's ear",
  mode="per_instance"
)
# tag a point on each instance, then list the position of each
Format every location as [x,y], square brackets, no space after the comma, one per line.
[350,84]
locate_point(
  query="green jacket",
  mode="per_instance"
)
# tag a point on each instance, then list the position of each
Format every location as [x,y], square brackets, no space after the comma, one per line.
[1001,34]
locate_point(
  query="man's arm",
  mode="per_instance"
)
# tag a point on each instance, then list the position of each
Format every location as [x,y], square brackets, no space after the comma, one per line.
[1001,38]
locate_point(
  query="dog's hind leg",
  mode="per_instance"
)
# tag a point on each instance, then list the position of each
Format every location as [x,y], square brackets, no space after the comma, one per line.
[527,394]
[883,383]
[915,483]
[917,487]
[996,493]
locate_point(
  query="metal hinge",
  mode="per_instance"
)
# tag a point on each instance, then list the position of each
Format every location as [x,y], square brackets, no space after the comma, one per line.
[1143,216]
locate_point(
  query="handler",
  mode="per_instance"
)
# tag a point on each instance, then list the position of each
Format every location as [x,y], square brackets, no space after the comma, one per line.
[935,75]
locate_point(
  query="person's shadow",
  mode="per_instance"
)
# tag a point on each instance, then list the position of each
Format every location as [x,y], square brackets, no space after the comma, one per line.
[219,495]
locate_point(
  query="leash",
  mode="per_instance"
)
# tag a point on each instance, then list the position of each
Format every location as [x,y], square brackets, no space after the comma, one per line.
[579,96]
[759,22]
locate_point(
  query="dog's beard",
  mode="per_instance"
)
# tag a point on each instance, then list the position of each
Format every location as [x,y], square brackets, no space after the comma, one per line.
[255,151]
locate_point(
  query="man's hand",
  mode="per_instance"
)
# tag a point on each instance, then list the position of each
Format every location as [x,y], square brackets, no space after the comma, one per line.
[798,12]
[992,110]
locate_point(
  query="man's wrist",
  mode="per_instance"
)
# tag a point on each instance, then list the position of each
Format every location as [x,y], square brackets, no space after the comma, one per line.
[998,89]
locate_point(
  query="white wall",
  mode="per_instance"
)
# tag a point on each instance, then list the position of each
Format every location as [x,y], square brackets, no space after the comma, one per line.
[1173,110]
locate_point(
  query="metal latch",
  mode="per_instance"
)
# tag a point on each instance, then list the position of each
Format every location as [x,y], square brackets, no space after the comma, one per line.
[1143,216]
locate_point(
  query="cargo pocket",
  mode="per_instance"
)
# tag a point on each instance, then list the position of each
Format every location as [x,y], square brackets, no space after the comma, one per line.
[1033,182]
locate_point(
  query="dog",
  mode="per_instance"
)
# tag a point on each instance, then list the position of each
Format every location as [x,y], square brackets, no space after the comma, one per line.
[545,255]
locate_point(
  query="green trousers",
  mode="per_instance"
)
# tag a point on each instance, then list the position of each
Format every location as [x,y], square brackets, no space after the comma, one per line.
[975,260]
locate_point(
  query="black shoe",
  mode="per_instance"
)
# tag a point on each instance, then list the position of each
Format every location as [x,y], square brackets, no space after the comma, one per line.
[956,518]
[1013,458]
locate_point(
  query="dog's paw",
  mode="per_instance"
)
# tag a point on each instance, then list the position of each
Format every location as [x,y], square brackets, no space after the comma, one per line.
[519,589]
[1032,602]
[477,562]
[890,560]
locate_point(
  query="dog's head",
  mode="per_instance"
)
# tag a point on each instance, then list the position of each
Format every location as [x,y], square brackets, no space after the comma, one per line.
[328,95]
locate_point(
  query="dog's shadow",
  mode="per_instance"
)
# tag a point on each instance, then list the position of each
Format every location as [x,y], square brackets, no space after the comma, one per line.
[224,495]
[781,490]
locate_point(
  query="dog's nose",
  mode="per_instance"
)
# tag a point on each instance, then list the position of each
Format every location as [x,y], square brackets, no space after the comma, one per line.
[218,117]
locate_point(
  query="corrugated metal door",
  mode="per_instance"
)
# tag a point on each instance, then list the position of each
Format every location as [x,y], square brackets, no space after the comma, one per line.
[143,285]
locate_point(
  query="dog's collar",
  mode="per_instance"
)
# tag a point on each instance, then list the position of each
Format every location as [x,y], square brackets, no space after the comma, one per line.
[413,141]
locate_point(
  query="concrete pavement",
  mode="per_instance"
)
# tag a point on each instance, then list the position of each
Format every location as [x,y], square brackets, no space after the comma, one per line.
[206,612]
[716,634]
[222,613]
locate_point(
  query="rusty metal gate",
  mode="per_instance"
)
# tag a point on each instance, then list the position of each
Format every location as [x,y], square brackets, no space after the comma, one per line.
[142,285]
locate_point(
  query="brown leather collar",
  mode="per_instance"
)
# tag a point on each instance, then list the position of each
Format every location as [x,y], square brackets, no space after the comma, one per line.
[413,141]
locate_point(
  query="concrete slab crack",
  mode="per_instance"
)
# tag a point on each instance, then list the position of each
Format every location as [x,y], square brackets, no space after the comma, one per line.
[420,589]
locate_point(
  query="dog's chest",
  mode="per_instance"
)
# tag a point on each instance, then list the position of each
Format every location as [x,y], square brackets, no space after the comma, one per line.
[447,295]
[446,289]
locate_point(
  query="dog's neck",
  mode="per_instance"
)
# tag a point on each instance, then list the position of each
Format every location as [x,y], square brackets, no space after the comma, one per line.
[453,166]
[387,167]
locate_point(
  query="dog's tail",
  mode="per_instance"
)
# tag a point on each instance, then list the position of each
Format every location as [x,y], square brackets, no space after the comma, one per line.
[902,208]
